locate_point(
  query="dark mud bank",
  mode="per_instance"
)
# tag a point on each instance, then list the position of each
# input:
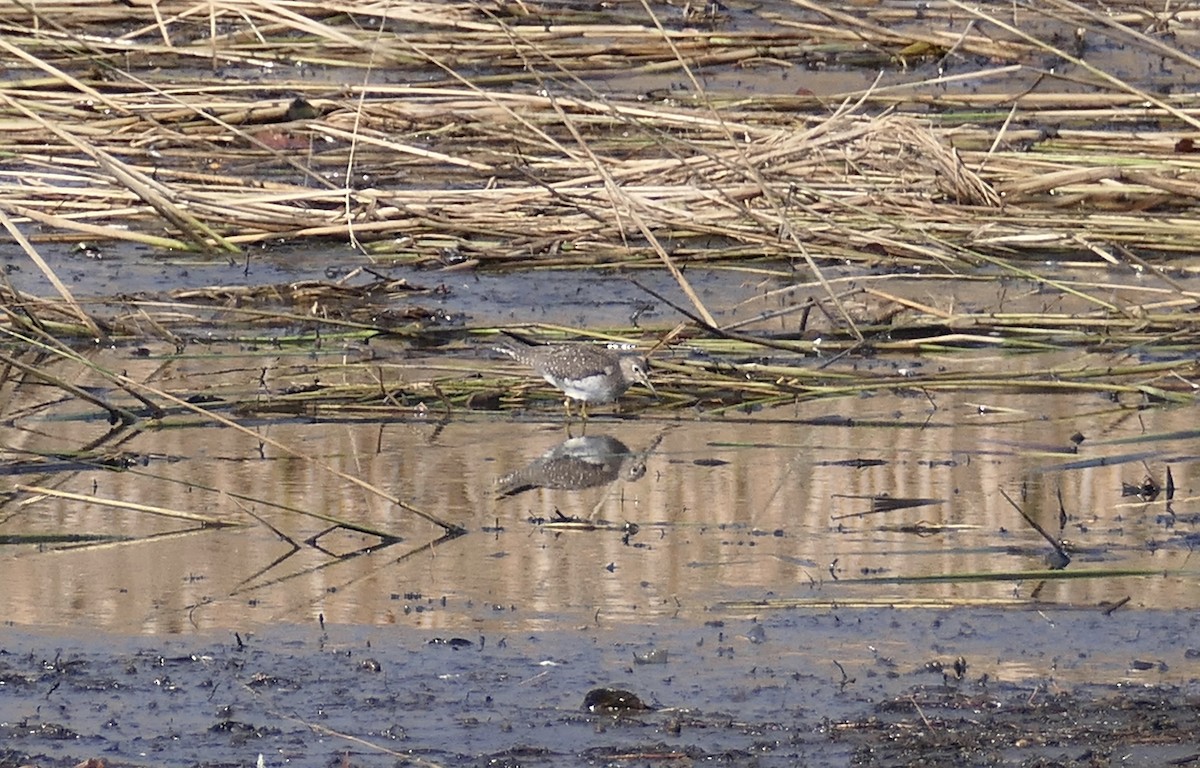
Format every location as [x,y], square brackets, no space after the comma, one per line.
[859,687]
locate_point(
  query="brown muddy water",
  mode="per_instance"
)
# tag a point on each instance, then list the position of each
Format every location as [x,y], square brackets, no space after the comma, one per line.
[832,582]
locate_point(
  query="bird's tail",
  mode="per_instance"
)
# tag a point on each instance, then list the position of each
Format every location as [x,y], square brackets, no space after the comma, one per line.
[517,339]
[515,346]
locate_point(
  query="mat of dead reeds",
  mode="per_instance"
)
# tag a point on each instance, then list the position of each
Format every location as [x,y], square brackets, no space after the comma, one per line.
[519,134]
[970,142]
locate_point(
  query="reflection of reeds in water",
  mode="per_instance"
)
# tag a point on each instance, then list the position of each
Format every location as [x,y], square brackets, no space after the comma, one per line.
[761,520]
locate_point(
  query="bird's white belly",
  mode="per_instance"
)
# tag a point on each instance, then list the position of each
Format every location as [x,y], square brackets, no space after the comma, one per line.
[591,389]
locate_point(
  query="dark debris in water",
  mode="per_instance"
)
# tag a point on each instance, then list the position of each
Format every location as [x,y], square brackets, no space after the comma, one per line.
[456,643]
[1147,490]
[954,726]
[613,700]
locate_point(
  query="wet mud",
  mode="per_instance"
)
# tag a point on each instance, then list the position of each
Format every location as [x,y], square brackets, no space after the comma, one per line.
[840,687]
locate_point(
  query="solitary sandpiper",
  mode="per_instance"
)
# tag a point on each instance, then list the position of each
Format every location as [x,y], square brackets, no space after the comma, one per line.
[584,372]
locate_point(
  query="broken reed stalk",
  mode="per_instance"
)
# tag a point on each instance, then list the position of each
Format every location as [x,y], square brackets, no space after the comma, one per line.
[717,138]
[765,189]
[45,269]
[115,413]
[210,522]
[899,603]
[50,344]
[623,203]
[380,534]
[147,189]
[137,389]
[1031,575]
[99,231]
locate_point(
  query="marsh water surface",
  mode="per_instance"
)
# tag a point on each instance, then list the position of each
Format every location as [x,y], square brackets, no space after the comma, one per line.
[754,573]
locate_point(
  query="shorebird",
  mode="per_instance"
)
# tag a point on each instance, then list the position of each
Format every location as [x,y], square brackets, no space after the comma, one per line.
[584,372]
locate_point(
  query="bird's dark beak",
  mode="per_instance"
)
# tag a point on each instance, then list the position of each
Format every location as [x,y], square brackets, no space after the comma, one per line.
[644,379]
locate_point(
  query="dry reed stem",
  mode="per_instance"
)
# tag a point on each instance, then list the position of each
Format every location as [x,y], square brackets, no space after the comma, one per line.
[116,414]
[711,201]
[177,514]
[140,390]
[45,269]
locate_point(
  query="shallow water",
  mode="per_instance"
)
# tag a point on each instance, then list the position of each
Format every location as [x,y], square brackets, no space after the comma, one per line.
[789,503]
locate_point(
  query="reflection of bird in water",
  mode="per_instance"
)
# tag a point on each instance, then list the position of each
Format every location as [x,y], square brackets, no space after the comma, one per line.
[577,463]
[584,372]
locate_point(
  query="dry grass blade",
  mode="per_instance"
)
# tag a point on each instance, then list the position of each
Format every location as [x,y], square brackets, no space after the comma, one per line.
[115,413]
[59,286]
[1031,575]
[151,192]
[99,231]
[57,73]
[212,522]
[141,389]
[889,602]
[623,203]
